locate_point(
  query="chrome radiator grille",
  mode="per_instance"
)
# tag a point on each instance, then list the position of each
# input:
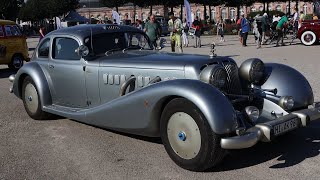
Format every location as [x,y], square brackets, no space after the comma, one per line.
[233,85]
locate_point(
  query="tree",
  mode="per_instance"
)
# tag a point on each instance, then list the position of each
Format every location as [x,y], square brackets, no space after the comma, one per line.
[9,9]
[39,9]
[113,3]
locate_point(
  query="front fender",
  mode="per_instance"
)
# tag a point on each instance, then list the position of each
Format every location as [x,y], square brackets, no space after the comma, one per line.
[139,112]
[289,82]
[33,70]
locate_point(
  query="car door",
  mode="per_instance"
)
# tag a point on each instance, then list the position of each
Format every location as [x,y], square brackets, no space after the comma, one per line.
[67,73]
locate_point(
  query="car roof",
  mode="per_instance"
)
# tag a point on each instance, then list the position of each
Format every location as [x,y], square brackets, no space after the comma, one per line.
[84,30]
[6,22]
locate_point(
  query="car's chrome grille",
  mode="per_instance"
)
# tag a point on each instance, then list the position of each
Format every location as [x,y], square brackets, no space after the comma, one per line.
[233,85]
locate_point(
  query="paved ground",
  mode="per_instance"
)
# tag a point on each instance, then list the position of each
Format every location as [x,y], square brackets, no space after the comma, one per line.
[64,149]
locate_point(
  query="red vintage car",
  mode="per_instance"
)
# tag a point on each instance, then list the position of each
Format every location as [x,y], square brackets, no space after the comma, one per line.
[309,32]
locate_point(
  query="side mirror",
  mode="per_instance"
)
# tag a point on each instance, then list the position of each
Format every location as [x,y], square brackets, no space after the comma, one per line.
[82,51]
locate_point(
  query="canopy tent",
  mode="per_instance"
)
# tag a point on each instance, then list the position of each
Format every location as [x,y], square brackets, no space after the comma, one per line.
[73,16]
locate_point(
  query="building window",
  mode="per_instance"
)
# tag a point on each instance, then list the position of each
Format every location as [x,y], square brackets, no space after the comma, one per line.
[198,13]
[261,8]
[305,8]
[224,13]
[278,8]
[232,13]
[213,14]
[136,16]
[143,16]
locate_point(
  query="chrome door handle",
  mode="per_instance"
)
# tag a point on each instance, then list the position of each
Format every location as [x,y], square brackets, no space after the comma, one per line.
[51,66]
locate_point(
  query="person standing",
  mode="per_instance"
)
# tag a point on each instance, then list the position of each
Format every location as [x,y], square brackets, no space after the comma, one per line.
[42,32]
[295,20]
[197,25]
[279,28]
[239,29]
[126,20]
[245,27]
[264,27]
[175,28]
[184,33]
[152,29]
[301,18]
[220,31]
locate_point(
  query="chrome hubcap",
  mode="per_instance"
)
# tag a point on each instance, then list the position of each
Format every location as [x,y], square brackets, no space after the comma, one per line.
[17,62]
[184,135]
[31,98]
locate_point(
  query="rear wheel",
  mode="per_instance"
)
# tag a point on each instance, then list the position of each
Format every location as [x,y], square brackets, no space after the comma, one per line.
[16,62]
[31,100]
[188,138]
[308,38]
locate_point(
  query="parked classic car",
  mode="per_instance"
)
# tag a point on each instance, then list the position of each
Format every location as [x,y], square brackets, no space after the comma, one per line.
[13,45]
[109,76]
[309,32]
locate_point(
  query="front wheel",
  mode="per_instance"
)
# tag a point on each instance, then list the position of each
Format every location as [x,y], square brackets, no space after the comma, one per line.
[188,138]
[31,100]
[308,38]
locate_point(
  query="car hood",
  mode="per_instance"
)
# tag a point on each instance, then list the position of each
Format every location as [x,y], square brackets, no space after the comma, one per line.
[156,60]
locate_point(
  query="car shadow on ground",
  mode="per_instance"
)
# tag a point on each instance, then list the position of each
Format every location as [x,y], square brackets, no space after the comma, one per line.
[5,73]
[289,150]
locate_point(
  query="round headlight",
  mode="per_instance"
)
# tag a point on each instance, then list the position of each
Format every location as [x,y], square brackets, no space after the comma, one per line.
[252,70]
[253,113]
[286,102]
[215,75]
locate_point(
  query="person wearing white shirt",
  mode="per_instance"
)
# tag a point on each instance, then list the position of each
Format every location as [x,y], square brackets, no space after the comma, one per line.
[296,19]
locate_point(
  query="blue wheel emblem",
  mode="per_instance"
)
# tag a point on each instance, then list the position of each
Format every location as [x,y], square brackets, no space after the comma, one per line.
[182,136]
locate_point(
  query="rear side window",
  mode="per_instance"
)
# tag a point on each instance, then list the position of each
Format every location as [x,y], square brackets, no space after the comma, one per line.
[1,32]
[65,48]
[12,30]
[43,50]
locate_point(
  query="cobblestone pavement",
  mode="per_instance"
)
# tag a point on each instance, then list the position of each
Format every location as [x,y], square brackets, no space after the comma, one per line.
[65,149]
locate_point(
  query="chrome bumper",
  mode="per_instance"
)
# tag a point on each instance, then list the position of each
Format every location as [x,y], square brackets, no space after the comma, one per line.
[264,132]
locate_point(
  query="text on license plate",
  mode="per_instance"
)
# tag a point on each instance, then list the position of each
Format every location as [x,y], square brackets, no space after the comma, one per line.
[286,126]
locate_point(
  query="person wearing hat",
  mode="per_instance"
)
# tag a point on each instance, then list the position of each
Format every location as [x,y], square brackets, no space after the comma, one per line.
[175,28]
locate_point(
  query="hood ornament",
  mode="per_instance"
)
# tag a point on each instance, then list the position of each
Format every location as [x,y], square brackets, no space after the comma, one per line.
[213,48]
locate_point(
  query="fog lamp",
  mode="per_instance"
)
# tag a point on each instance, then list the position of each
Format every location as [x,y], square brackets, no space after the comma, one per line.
[253,113]
[286,102]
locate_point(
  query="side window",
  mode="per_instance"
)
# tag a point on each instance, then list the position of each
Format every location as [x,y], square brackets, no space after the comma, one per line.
[8,30]
[65,48]
[1,32]
[43,50]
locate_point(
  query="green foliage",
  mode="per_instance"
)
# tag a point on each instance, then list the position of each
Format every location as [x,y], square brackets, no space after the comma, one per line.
[10,8]
[308,17]
[35,10]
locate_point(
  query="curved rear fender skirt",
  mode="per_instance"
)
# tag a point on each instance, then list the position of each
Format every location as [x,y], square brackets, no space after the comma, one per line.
[289,82]
[138,112]
[33,70]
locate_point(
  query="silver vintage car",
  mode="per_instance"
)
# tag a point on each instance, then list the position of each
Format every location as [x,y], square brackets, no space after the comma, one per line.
[109,76]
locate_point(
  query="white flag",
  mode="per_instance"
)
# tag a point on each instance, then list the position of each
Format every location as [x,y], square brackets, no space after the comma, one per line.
[188,12]
[116,16]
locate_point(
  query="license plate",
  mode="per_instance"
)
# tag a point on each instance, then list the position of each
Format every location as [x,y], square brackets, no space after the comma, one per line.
[285,127]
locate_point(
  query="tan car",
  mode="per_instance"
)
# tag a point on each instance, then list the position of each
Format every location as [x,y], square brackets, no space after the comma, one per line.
[13,45]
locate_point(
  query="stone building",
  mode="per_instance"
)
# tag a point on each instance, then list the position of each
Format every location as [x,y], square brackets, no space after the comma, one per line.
[216,13]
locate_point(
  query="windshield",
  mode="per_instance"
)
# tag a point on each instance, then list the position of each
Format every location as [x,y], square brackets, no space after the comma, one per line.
[103,43]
